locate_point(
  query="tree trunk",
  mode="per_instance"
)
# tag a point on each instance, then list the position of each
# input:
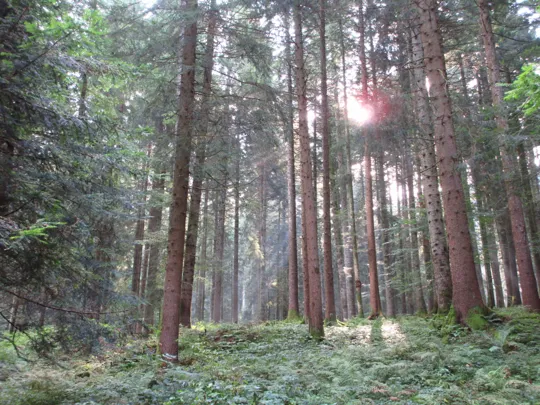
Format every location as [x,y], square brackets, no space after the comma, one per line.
[177,221]
[198,175]
[417,277]
[261,302]
[294,308]
[428,162]
[466,292]
[315,318]
[236,243]
[330,309]
[203,262]
[385,238]
[529,289]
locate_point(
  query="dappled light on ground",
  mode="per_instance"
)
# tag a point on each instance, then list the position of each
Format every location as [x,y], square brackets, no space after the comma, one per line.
[387,332]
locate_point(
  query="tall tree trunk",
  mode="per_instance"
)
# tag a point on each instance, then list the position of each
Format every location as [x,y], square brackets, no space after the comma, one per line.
[509,259]
[349,194]
[437,236]
[198,174]
[529,288]
[315,318]
[374,298]
[330,309]
[177,221]
[466,291]
[294,308]
[236,247]
[494,258]
[261,277]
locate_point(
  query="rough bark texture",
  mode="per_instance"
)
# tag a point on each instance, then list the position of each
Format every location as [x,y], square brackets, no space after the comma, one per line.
[294,308]
[517,217]
[198,175]
[437,236]
[315,318]
[466,292]
[330,308]
[178,212]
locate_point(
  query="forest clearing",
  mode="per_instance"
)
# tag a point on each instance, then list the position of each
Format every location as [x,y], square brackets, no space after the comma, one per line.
[269,202]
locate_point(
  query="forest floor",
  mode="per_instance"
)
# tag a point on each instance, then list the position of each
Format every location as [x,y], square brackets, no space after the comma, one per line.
[411,360]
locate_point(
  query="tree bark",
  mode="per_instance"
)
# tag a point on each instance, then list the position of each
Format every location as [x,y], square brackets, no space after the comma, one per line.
[529,289]
[315,318]
[177,221]
[198,174]
[466,292]
[330,309]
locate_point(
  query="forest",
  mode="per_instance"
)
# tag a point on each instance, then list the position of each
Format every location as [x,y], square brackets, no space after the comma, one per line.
[281,202]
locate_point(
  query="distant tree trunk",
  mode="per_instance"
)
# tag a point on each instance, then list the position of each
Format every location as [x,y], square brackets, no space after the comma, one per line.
[219,248]
[428,162]
[490,297]
[236,243]
[138,268]
[203,262]
[294,309]
[337,216]
[466,291]
[529,288]
[330,310]
[177,220]
[315,318]
[261,277]
[374,298]
[385,238]
[509,259]
[407,279]
[154,227]
[494,258]
[417,277]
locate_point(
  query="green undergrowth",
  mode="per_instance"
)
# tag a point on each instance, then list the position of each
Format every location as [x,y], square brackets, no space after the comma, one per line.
[411,360]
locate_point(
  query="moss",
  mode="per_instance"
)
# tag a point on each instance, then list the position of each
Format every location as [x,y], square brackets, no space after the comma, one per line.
[294,317]
[476,319]
[317,334]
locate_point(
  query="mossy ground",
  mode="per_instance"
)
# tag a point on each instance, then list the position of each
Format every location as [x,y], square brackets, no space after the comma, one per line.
[404,361]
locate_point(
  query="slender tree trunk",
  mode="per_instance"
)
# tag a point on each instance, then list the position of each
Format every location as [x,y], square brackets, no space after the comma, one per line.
[466,291]
[261,302]
[236,232]
[494,258]
[315,318]
[529,289]
[177,221]
[153,297]
[330,310]
[385,238]
[417,277]
[203,262]
[294,308]
[374,298]
[490,297]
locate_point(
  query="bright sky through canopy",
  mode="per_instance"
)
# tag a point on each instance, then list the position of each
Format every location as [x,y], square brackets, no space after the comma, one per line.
[359,113]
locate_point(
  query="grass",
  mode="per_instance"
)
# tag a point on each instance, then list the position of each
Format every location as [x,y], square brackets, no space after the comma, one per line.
[411,360]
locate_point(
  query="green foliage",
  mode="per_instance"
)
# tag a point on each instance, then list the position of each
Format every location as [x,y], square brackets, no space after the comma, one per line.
[378,362]
[526,89]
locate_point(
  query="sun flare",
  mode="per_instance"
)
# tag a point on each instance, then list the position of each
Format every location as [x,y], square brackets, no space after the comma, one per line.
[358,112]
